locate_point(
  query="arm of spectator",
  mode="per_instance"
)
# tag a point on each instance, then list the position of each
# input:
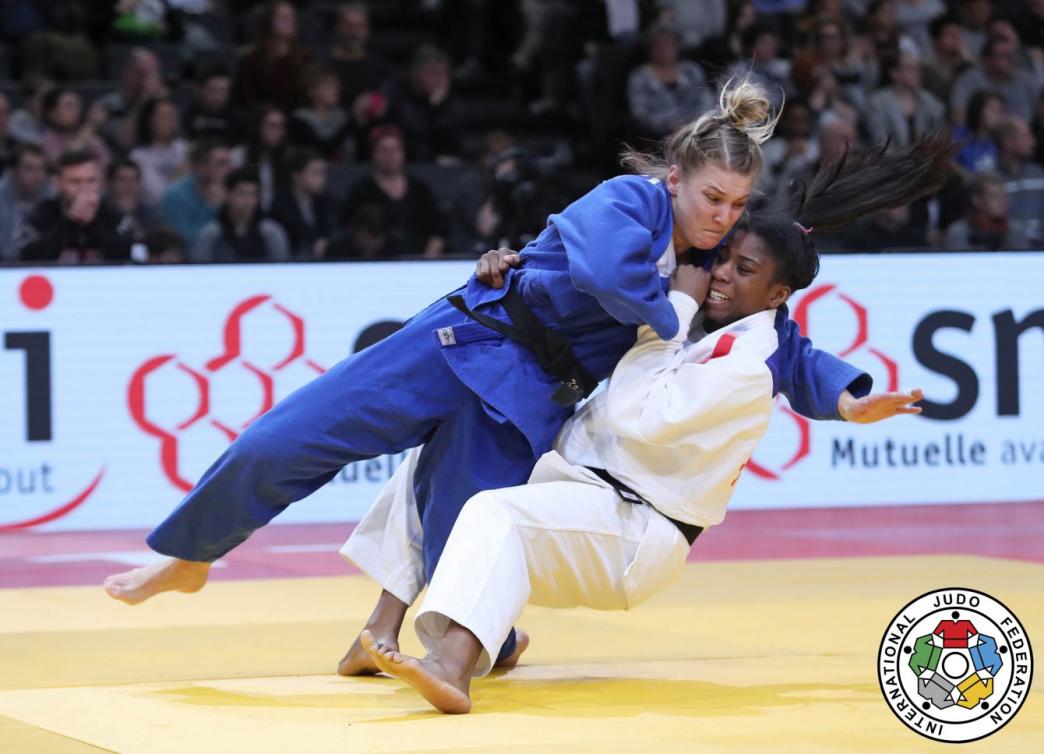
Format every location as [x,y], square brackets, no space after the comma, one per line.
[36,244]
[434,247]
[278,246]
[644,105]
[203,249]
[877,120]
[103,236]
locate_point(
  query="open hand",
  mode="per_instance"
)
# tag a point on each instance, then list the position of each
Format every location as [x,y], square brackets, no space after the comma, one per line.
[493,264]
[878,406]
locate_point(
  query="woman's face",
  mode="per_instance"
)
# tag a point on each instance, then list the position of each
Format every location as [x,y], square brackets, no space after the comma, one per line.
[326,92]
[284,21]
[273,129]
[707,202]
[67,111]
[663,49]
[389,155]
[743,281]
[164,122]
[992,113]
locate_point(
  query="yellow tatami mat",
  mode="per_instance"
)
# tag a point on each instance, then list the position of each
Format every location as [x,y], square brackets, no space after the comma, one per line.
[766,656]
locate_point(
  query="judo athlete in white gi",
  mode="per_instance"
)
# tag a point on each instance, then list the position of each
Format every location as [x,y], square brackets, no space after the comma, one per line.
[484,378]
[609,514]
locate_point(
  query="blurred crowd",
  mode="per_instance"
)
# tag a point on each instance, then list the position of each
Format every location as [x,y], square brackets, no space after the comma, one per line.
[224,130]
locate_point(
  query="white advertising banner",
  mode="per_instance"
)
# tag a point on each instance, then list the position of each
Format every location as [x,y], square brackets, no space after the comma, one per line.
[121,385]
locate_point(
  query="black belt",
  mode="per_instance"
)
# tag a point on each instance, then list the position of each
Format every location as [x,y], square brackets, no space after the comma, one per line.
[689,531]
[552,349]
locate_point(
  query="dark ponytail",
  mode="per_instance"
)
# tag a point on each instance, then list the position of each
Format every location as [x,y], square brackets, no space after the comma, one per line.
[843,191]
[858,185]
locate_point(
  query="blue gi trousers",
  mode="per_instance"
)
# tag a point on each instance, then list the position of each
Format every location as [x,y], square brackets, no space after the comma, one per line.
[394,395]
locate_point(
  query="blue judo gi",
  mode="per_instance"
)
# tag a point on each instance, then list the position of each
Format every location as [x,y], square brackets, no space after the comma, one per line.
[478,402]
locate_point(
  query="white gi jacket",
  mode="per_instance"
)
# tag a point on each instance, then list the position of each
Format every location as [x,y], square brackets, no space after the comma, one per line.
[680,418]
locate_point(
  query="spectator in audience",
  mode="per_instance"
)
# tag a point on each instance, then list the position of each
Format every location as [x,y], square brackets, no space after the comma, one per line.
[212,114]
[65,128]
[324,125]
[694,21]
[947,58]
[240,233]
[306,210]
[27,122]
[365,236]
[361,73]
[793,153]
[1023,178]
[164,245]
[414,223]
[7,142]
[973,15]
[761,59]
[22,187]
[830,66]
[192,201]
[987,225]
[880,26]
[721,49]
[902,110]
[998,72]
[915,18]
[1029,21]
[1038,129]
[162,155]
[74,226]
[124,199]
[887,230]
[266,150]
[979,151]
[423,107]
[141,80]
[270,69]
[666,92]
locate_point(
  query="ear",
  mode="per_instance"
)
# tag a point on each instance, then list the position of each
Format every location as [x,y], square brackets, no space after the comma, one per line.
[673,180]
[778,295]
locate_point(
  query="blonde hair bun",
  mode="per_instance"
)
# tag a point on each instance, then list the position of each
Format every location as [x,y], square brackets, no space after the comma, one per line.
[745,104]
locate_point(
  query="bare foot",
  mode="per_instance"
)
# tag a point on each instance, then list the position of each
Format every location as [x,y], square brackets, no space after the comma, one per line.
[521,644]
[385,621]
[445,692]
[169,575]
[357,661]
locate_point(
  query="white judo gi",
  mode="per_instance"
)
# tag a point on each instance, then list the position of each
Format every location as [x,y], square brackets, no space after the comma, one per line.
[677,423]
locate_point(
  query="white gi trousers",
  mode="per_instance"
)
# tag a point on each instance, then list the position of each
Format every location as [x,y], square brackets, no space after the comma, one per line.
[566,539]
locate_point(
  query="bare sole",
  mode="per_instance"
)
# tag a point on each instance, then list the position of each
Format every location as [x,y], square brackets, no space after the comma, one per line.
[440,693]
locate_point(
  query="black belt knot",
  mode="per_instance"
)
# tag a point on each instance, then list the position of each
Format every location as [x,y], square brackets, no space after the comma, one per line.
[552,349]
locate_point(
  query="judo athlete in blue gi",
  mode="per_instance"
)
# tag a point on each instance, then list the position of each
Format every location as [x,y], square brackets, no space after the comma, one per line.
[609,515]
[486,405]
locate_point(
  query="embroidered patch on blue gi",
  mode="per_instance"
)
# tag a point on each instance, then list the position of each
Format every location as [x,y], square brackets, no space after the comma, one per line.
[446,337]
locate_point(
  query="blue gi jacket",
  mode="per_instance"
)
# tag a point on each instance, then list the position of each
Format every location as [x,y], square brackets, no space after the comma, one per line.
[592,275]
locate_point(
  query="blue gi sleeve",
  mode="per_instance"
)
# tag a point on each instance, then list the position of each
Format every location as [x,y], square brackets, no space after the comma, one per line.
[812,380]
[609,239]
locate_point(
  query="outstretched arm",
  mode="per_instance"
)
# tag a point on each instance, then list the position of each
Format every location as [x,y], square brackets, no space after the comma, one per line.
[878,406]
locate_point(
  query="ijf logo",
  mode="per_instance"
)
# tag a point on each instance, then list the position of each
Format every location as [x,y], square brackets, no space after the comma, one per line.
[955,665]
[858,347]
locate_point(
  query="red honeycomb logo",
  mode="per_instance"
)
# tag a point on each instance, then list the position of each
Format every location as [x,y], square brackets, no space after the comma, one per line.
[859,347]
[233,365]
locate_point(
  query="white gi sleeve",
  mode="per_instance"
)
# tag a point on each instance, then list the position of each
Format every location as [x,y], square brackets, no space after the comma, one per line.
[657,397]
